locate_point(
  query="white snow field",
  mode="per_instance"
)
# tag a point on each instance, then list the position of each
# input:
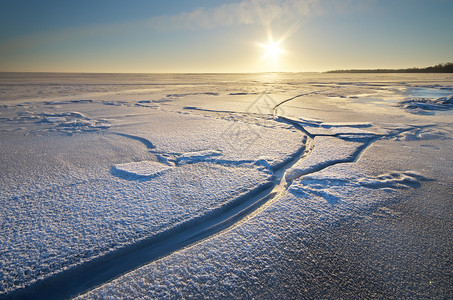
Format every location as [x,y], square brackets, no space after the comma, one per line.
[227,186]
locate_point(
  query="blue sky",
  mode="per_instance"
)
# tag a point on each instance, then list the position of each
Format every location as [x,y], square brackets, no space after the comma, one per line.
[222,36]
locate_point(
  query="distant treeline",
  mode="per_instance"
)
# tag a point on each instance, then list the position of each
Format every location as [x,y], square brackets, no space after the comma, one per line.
[440,68]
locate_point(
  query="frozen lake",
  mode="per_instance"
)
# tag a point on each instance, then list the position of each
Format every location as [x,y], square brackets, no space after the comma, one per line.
[302,185]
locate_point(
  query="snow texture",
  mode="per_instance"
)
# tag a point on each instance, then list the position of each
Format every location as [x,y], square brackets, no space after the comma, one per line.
[245,259]
[92,164]
[327,150]
[141,169]
[193,157]
[425,105]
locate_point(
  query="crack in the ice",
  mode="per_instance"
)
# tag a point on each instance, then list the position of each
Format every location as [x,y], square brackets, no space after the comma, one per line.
[322,166]
[144,141]
[84,277]
[275,109]
[81,278]
[356,155]
[372,137]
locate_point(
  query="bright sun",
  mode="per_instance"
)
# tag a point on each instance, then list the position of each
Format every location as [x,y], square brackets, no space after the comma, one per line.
[272,50]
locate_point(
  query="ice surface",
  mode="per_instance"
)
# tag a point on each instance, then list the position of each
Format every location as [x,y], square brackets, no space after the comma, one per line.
[393,180]
[241,139]
[70,195]
[425,133]
[317,127]
[56,227]
[327,150]
[38,118]
[425,105]
[95,164]
[193,157]
[275,253]
[144,168]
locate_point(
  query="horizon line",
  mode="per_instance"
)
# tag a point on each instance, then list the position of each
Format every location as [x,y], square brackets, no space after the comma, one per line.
[213,73]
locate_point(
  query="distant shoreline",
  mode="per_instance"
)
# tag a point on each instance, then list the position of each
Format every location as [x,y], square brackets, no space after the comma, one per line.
[440,68]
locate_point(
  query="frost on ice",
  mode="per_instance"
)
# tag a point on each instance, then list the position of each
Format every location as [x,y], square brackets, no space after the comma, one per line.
[84,178]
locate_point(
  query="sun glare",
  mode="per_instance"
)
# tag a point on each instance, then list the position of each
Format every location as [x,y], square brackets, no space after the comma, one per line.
[272,50]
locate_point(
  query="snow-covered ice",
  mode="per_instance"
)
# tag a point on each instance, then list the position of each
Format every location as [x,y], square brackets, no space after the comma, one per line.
[285,185]
[327,150]
[427,105]
[144,168]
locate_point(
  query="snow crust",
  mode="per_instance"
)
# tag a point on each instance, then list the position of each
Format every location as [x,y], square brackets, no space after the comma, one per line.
[223,266]
[326,151]
[97,166]
[144,168]
[425,105]
[193,157]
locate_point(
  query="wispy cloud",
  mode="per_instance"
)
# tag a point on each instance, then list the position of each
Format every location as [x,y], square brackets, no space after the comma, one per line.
[246,12]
